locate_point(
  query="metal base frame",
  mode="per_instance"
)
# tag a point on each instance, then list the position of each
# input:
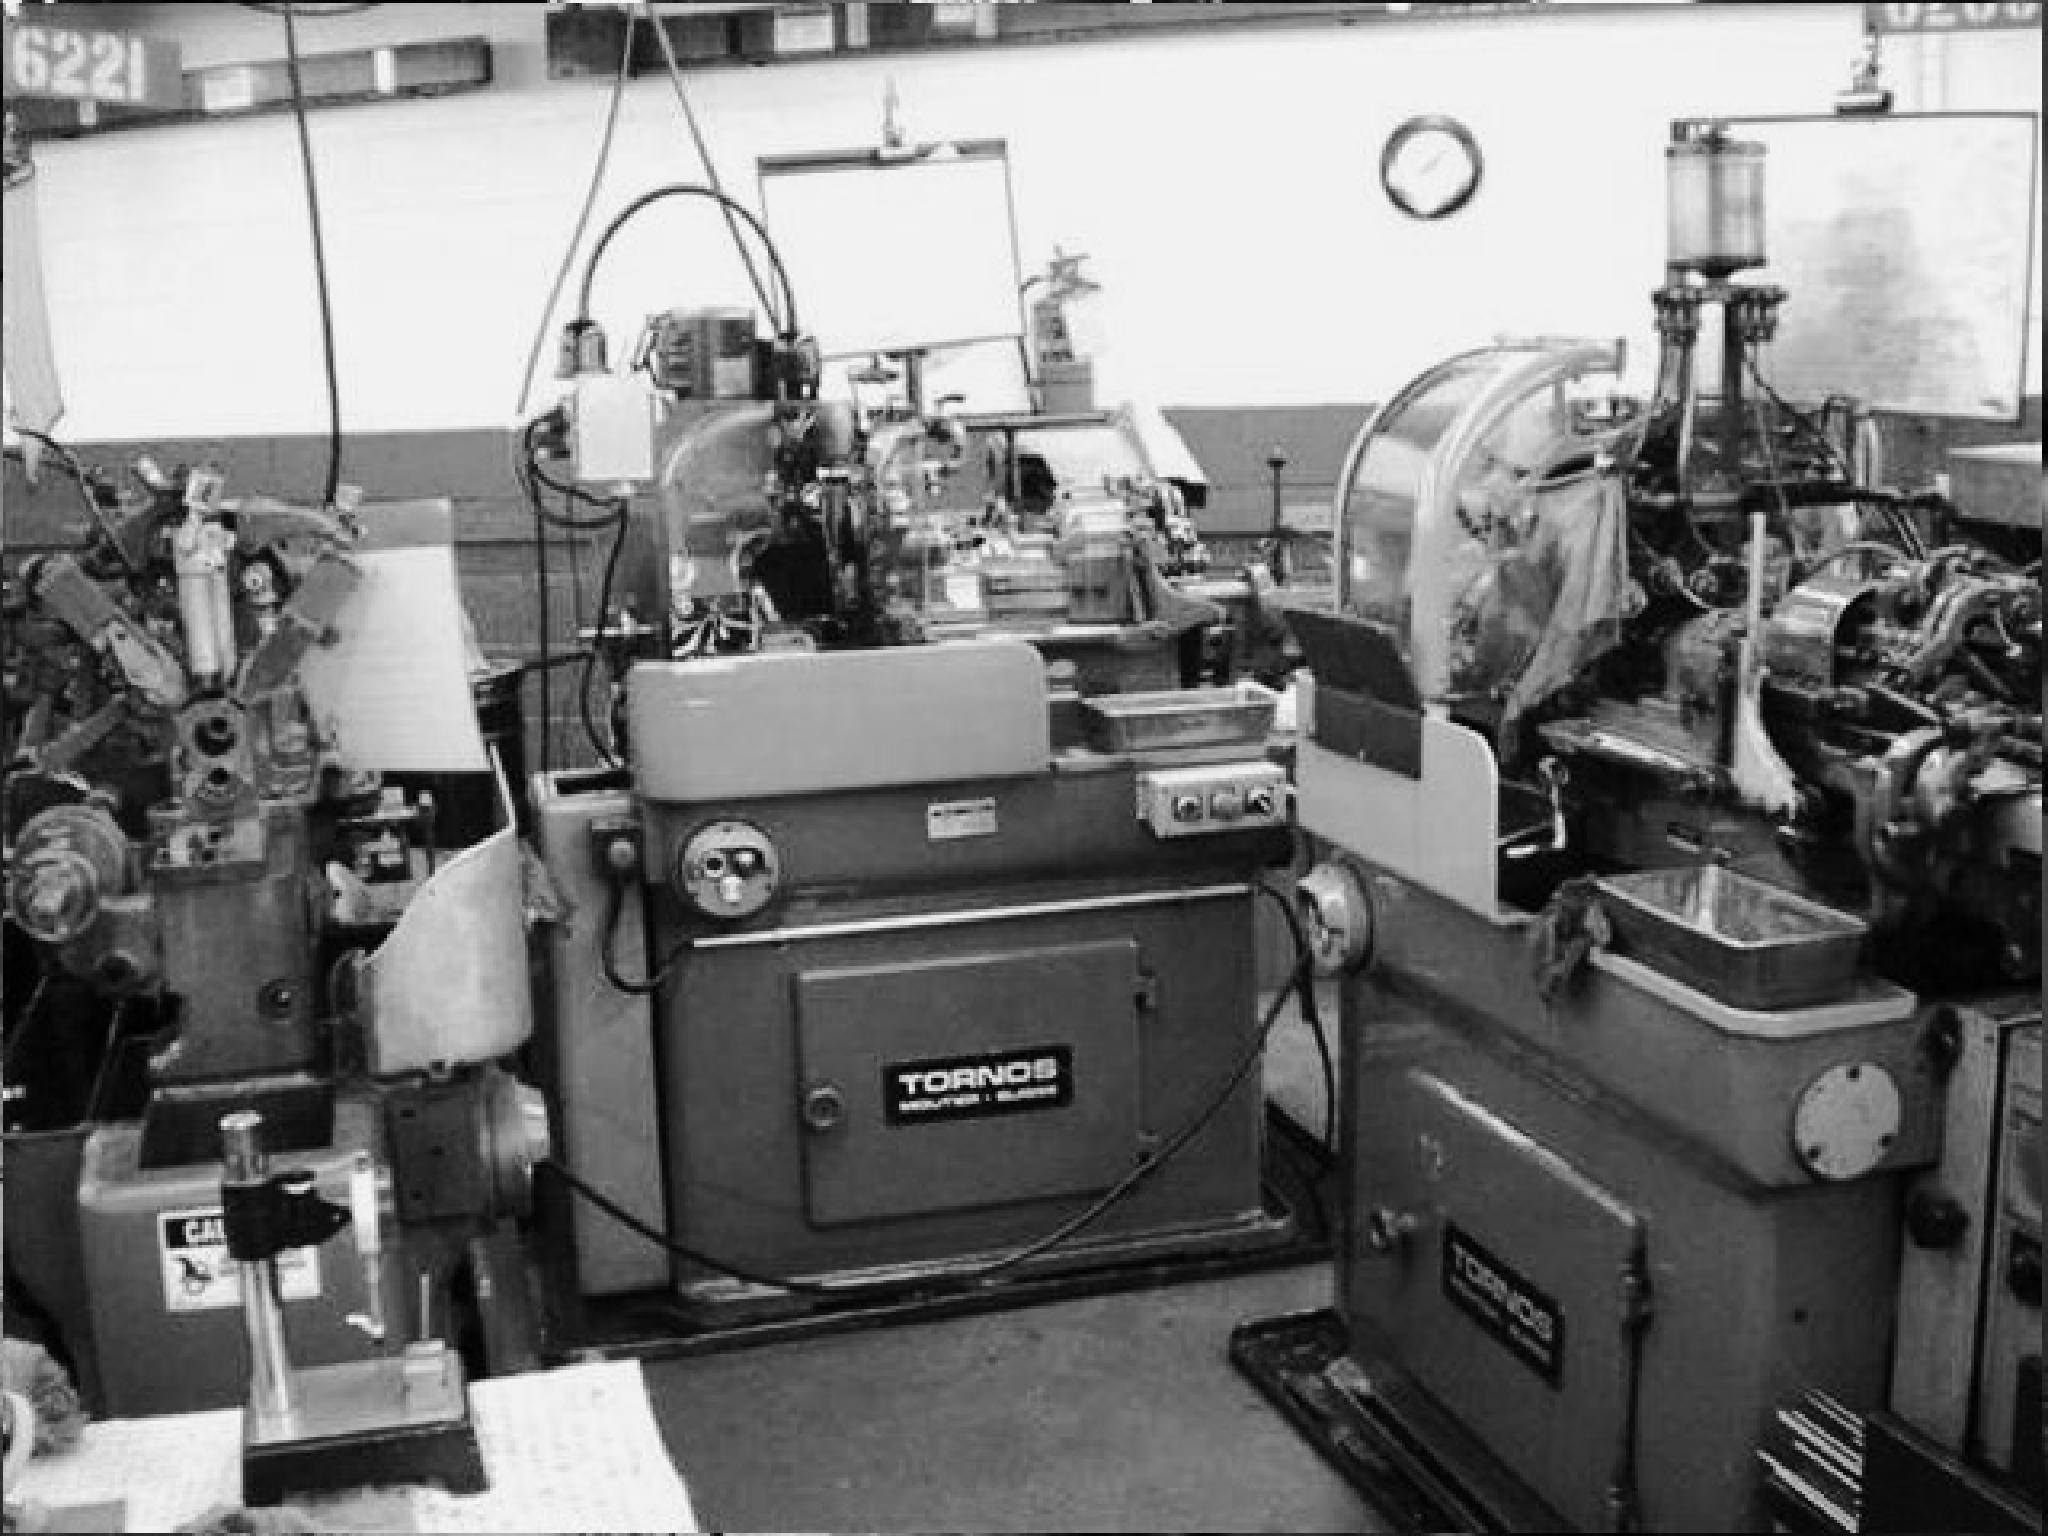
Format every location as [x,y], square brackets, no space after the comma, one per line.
[1358,1412]
[1294,1230]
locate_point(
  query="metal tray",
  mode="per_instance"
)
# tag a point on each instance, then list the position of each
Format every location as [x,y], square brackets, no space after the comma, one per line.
[1180,717]
[1735,938]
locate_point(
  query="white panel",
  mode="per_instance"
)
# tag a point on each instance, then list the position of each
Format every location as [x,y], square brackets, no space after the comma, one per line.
[1439,831]
[893,255]
[1904,245]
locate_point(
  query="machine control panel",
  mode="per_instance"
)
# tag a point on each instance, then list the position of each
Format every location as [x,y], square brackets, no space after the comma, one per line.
[727,870]
[1212,798]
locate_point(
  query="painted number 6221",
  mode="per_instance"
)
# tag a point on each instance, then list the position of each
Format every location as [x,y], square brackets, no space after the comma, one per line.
[95,66]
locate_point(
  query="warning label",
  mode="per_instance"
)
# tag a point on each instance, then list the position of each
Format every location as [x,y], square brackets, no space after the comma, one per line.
[1002,1083]
[198,1276]
[947,820]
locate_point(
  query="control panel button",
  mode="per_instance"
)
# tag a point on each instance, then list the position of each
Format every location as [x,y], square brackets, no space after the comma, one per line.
[1211,799]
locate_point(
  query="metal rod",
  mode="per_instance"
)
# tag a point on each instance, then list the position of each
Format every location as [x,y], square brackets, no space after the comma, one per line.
[910,922]
[272,1396]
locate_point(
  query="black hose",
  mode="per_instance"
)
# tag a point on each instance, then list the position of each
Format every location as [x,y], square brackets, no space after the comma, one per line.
[291,47]
[785,323]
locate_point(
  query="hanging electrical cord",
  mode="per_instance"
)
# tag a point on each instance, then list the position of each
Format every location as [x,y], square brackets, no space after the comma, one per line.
[783,317]
[1311,1012]
[675,76]
[532,479]
[598,166]
[544,661]
[614,910]
[529,467]
[291,54]
[601,743]
[1902,526]
[1149,1164]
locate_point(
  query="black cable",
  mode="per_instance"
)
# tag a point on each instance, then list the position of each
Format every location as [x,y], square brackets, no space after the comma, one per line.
[615,907]
[1311,1012]
[1148,1165]
[545,663]
[597,170]
[785,323]
[291,54]
[1799,419]
[530,467]
[675,76]
[599,744]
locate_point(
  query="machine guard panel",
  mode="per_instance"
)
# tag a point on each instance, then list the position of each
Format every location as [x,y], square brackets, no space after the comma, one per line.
[1025,1068]
[1525,1276]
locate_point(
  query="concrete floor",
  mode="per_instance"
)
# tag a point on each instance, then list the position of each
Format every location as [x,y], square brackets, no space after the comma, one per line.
[1107,1414]
[1117,1413]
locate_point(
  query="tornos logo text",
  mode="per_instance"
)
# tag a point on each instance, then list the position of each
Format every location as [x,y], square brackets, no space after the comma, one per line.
[1000,1083]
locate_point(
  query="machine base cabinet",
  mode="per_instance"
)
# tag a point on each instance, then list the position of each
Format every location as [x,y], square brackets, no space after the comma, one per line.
[1582,1297]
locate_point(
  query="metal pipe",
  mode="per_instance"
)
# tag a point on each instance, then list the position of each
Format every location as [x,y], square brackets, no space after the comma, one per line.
[911,922]
[272,1397]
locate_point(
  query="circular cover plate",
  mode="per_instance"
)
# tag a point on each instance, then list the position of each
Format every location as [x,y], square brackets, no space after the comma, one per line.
[1846,1120]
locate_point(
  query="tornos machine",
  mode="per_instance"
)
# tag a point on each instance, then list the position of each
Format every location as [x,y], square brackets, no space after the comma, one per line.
[883,968]
[214,919]
[1636,722]
[863,982]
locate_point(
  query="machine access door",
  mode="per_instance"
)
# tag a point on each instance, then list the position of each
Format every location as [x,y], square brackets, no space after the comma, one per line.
[1508,1279]
[977,1080]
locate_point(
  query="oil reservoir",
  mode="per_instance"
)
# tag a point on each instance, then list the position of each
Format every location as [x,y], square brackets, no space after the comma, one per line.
[1714,201]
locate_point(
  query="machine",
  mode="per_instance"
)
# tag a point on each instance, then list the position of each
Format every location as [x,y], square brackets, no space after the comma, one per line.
[1682,783]
[211,913]
[909,939]
[864,984]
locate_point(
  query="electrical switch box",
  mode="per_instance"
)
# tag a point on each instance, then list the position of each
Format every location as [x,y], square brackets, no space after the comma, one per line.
[612,433]
[1212,798]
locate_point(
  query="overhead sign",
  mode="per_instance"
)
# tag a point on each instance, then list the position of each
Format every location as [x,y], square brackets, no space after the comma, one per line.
[1960,17]
[58,61]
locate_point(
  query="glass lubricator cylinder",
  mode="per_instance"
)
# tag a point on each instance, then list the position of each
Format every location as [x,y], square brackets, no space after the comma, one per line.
[1714,201]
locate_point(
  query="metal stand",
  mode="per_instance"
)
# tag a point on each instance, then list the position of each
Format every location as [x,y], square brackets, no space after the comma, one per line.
[399,1419]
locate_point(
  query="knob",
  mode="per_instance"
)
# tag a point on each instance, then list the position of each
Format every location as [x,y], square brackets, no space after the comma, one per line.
[1187,808]
[1259,803]
[1935,1219]
[824,1108]
[1387,1230]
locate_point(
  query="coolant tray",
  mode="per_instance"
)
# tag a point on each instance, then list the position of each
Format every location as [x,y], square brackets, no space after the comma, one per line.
[1179,717]
[1735,938]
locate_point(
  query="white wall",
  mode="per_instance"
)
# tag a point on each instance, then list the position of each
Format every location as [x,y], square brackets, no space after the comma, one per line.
[1224,185]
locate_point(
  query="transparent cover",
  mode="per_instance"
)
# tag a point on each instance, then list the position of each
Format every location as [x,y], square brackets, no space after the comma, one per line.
[1482,520]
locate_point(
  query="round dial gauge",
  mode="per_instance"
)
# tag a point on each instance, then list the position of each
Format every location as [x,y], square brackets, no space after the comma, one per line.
[1430,167]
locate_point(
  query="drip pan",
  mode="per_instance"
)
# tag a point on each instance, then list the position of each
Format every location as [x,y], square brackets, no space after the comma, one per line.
[1735,938]
[1179,717]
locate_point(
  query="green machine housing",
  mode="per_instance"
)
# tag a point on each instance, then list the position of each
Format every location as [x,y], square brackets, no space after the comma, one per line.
[932,987]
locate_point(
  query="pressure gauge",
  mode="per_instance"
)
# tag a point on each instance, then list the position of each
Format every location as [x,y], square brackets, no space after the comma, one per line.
[1430,167]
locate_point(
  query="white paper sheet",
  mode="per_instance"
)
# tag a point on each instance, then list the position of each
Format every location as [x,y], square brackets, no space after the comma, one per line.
[393,689]
[572,1450]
